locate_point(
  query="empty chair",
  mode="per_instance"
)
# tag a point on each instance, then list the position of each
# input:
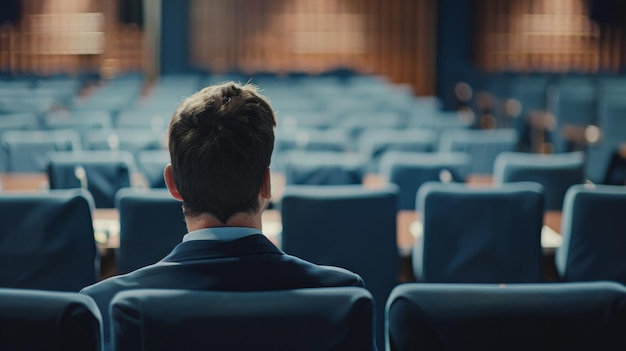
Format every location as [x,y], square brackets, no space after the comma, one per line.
[482,145]
[604,152]
[48,321]
[479,234]
[151,224]
[78,120]
[346,226]
[16,121]
[148,119]
[103,173]
[410,170]
[556,172]
[27,151]
[594,244]
[150,164]
[303,319]
[323,168]
[133,140]
[47,240]
[556,316]
[575,109]
[374,143]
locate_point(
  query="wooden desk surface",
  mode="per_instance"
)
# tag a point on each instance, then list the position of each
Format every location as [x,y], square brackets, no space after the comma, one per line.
[106,221]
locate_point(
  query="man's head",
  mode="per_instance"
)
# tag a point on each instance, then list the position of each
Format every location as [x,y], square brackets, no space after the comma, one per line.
[221,141]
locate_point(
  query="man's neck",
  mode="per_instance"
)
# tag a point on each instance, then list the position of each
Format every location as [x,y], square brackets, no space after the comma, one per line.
[205,220]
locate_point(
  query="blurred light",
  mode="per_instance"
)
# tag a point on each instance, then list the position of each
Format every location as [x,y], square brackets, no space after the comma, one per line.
[592,134]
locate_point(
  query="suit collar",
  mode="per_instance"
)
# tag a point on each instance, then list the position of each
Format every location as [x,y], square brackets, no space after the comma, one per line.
[211,249]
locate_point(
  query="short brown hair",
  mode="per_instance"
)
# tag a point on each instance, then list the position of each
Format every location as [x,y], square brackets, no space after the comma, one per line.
[221,141]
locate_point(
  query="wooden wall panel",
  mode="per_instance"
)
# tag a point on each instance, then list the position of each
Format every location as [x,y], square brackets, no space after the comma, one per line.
[395,38]
[537,35]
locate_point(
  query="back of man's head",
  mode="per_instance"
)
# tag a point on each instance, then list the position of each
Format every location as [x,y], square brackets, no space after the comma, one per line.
[221,141]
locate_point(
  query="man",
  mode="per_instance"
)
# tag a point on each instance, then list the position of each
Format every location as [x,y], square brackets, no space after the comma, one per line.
[221,141]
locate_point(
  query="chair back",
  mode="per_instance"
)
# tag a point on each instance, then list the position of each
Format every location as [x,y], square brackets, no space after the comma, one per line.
[594,244]
[27,150]
[556,316]
[48,321]
[47,240]
[410,170]
[151,225]
[556,172]
[483,146]
[338,318]
[346,226]
[323,168]
[102,173]
[479,234]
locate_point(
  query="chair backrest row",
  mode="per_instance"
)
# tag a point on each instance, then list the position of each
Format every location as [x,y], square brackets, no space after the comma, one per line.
[572,316]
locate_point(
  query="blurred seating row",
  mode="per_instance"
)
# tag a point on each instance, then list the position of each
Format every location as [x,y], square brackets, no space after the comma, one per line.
[572,316]
[568,112]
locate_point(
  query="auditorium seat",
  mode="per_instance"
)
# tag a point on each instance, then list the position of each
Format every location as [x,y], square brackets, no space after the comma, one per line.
[47,240]
[479,234]
[345,226]
[312,319]
[555,316]
[323,168]
[483,146]
[409,170]
[102,173]
[594,244]
[151,224]
[27,151]
[556,172]
[48,321]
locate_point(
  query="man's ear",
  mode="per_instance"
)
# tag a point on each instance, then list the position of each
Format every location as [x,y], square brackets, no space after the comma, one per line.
[169,181]
[266,187]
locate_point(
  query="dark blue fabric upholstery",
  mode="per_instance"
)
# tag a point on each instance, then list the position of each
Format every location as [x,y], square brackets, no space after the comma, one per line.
[27,151]
[556,172]
[593,229]
[151,225]
[410,170]
[347,226]
[302,319]
[47,240]
[323,168]
[103,173]
[151,164]
[48,321]
[479,234]
[556,316]
[482,145]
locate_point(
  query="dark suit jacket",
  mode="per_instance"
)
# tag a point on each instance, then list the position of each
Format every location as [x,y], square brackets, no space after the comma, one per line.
[251,263]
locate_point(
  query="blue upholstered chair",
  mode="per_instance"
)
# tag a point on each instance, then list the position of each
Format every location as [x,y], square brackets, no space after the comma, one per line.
[48,321]
[27,151]
[303,319]
[323,168]
[594,244]
[612,124]
[47,240]
[102,173]
[150,164]
[556,316]
[479,234]
[374,143]
[151,224]
[410,170]
[556,172]
[16,121]
[346,226]
[482,145]
[575,109]
[128,139]
[80,121]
